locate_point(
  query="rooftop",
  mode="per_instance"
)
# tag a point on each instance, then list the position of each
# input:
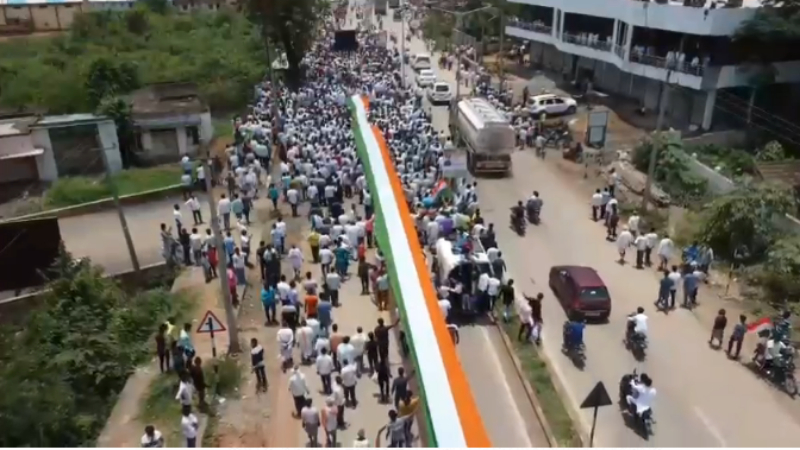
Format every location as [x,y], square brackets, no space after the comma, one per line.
[14,125]
[167,99]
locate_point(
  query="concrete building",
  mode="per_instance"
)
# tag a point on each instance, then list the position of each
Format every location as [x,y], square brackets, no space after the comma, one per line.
[170,120]
[26,16]
[631,48]
[34,148]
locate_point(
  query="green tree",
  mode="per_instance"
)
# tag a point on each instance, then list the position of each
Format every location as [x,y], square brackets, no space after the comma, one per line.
[772,152]
[120,111]
[108,78]
[672,168]
[157,6]
[774,21]
[747,217]
[292,23]
[61,373]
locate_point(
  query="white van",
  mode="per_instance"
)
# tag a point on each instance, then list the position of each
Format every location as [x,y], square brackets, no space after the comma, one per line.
[440,93]
[421,61]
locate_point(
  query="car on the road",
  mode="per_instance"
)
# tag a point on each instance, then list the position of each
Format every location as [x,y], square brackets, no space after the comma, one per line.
[426,78]
[440,92]
[421,61]
[551,104]
[581,291]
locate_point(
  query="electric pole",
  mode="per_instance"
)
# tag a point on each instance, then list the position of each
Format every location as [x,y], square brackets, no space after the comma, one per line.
[112,186]
[222,261]
[656,142]
[502,42]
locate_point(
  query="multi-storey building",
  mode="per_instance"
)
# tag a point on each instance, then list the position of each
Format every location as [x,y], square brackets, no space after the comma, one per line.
[632,47]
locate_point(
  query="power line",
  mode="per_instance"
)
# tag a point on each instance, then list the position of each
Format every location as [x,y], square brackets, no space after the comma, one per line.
[764,116]
[733,98]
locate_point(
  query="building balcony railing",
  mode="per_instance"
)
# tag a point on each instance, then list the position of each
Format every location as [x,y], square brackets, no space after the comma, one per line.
[619,50]
[536,26]
[587,40]
[693,67]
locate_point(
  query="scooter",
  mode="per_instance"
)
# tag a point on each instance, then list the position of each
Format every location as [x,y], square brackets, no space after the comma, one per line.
[517,224]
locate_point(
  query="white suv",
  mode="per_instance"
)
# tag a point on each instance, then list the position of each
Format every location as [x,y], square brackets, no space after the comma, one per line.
[426,78]
[440,93]
[551,104]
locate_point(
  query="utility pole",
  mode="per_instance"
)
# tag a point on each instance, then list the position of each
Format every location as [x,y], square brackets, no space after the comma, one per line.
[273,90]
[112,186]
[222,262]
[401,7]
[502,42]
[651,169]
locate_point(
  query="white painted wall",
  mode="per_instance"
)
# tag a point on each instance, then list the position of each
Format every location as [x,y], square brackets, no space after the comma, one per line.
[672,17]
[206,128]
[183,143]
[46,162]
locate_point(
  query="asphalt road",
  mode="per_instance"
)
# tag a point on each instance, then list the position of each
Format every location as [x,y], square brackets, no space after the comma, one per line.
[508,416]
[704,400]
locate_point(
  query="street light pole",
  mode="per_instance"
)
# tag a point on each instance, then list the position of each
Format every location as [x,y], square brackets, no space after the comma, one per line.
[502,42]
[402,45]
[222,263]
[112,186]
[651,169]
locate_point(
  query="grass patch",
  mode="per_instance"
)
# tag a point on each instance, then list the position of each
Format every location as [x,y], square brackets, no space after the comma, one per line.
[539,377]
[160,409]
[71,191]
[223,128]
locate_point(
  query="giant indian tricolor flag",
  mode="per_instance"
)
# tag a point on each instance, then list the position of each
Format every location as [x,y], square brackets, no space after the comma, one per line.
[452,419]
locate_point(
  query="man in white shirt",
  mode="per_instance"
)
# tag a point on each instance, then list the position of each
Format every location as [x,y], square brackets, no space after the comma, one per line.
[624,240]
[325,258]
[348,377]
[339,399]
[640,242]
[285,344]
[194,205]
[224,210]
[152,438]
[483,287]
[652,241]
[333,282]
[359,341]
[346,351]
[493,290]
[597,203]
[305,338]
[325,366]
[185,391]
[309,417]
[189,426]
[298,388]
[665,249]
[196,243]
[675,277]
[643,394]
[293,197]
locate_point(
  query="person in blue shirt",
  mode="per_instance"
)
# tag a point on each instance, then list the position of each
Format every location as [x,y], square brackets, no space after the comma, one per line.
[428,202]
[229,244]
[324,309]
[342,255]
[691,282]
[237,207]
[272,193]
[269,300]
[691,253]
[573,334]
[664,289]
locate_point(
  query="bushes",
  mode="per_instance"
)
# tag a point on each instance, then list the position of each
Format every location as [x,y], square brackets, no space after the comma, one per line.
[672,168]
[61,374]
[731,162]
[221,51]
[70,191]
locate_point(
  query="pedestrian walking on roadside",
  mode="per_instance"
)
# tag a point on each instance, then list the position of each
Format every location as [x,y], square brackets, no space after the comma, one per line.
[718,329]
[152,438]
[737,337]
[339,399]
[325,366]
[298,388]
[363,275]
[349,377]
[383,376]
[189,426]
[224,210]
[330,422]
[199,381]
[194,206]
[162,350]
[257,362]
[309,416]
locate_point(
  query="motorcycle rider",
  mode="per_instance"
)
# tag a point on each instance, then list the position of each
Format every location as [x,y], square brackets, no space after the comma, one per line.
[573,334]
[534,205]
[642,395]
[517,215]
[637,324]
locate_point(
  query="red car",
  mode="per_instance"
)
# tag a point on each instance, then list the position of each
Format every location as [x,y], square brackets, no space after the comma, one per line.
[581,292]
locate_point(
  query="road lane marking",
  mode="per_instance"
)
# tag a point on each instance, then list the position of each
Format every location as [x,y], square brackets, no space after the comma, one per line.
[710,426]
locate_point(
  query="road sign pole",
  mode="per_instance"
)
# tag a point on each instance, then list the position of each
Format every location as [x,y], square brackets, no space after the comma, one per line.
[213,344]
[594,424]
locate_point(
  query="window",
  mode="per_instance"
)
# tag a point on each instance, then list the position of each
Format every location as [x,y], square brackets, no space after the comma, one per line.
[558,101]
[594,294]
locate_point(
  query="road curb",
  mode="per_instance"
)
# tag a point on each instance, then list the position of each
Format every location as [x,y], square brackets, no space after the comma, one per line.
[529,392]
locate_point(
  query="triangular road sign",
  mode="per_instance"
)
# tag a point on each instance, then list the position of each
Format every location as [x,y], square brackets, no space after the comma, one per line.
[597,398]
[210,323]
